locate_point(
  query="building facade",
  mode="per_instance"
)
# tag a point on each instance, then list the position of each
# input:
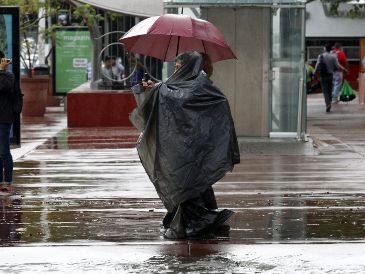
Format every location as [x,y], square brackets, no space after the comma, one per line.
[265,84]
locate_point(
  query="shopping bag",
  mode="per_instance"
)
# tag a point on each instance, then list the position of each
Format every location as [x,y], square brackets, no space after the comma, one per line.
[347,94]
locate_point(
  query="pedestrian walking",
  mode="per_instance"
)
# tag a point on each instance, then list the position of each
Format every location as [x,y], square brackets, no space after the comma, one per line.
[188,143]
[338,74]
[137,75]
[107,73]
[326,65]
[117,68]
[6,120]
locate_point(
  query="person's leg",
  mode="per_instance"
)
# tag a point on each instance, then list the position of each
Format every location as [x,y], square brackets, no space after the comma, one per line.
[326,83]
[324,88]
[209,198]
[308,87]
[168,218]
[193,219]
[208,201]
[330,88]
[5,152]
[337,82]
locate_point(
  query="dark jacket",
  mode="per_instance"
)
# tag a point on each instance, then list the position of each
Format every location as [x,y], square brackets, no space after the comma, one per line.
[6,97]
[331,62]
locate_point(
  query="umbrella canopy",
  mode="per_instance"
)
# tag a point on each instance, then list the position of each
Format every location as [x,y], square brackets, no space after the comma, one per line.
[166,36]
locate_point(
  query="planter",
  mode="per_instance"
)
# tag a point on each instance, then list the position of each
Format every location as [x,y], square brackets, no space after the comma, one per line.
[52,101]
[35,95]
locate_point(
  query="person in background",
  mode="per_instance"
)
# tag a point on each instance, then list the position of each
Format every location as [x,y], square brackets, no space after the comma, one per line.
[117,68]
[338,74]
[6,120]
[137,75]
[326,65]
[107,73]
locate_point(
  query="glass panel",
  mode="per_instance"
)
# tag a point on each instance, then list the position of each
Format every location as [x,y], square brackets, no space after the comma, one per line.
[287,68]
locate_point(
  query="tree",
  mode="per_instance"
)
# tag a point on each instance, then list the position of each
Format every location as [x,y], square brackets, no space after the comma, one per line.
[33,11]
[28,27]
[353,12]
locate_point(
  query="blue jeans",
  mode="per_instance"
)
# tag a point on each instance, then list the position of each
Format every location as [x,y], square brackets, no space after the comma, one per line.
[6,160]
[337,83]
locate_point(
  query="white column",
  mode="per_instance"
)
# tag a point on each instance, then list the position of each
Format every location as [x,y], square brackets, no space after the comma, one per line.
[41,43]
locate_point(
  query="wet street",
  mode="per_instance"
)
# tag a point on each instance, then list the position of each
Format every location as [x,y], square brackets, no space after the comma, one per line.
[83,203]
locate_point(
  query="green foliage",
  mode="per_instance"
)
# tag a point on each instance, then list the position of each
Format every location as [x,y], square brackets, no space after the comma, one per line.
[334,9]
[29,19]
[87,14]
[28,11]
[354,12]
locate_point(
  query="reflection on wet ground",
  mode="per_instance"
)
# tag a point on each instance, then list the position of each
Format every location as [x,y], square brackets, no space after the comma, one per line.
[164,257]
[88,184]
[10,219]
[93,138]
[105,195]
[84,192]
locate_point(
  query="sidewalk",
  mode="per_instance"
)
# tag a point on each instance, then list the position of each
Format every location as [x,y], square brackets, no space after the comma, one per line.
[83,203]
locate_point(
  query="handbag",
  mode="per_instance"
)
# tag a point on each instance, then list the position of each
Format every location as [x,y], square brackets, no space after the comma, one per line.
[347,94]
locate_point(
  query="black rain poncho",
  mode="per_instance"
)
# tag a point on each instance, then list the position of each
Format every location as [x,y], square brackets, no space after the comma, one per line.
[188,140]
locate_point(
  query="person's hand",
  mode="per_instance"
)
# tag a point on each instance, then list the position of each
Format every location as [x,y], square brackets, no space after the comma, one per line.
[4,63]
[148,84]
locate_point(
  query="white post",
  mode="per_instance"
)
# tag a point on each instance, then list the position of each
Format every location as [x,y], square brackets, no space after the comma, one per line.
[41,43]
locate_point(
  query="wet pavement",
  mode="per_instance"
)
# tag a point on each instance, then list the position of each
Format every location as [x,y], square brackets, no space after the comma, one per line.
[83,203]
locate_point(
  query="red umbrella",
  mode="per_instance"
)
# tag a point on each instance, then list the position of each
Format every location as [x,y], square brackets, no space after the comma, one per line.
[166,36]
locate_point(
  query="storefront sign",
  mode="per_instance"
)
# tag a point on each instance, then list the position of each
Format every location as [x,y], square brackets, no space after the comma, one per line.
[71,57]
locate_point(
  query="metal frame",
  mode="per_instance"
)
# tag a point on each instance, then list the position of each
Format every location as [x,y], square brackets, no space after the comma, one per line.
[301,125]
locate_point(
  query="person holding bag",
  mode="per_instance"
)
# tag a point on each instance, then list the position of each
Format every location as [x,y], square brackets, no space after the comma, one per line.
[338,74]
[326,65]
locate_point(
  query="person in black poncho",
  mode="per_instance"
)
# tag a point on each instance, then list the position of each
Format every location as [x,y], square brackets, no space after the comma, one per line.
[188,142]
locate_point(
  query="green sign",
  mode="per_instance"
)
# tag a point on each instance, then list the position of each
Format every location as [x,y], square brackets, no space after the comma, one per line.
[72,55]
